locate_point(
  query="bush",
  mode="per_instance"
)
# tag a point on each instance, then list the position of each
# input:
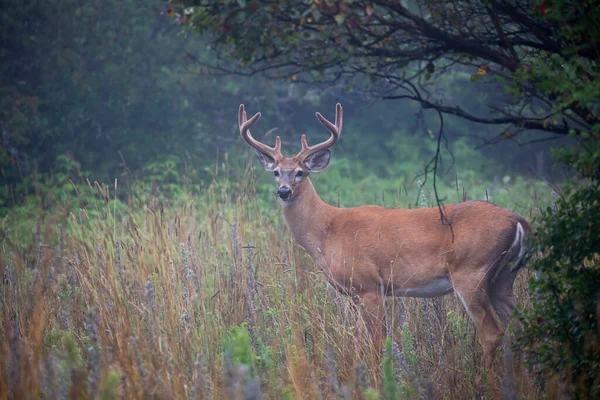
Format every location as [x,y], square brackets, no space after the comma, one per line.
[561,331]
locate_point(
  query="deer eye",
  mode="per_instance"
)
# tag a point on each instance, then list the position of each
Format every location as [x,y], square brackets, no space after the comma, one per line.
[299,174]
[276,173]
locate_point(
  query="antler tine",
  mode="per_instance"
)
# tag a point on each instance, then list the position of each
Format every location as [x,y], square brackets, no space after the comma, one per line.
[335,130]
[245,125]
[339,117]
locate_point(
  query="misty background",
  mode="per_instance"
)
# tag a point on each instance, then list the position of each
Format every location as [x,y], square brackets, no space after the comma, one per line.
[104,90]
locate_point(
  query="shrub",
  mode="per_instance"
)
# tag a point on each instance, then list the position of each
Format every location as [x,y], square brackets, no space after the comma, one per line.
[561,331]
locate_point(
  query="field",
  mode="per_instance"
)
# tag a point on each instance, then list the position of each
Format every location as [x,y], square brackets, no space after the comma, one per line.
[207,296]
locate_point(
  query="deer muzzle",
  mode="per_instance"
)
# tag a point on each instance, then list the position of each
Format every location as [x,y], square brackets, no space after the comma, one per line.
[284,192]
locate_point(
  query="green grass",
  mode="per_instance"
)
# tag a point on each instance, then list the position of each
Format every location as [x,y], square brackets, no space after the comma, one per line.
[152,298]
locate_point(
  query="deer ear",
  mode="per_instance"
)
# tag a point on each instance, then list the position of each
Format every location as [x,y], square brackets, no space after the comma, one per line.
[267,161]
[318,161]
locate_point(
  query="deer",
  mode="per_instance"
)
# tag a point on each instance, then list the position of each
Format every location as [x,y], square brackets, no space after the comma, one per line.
[373,252]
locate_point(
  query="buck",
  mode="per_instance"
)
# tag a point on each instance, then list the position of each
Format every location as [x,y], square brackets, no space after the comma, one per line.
[373,251]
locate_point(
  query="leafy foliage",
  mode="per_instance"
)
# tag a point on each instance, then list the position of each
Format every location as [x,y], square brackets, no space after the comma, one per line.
[114,87]
[561,332]
[412,50]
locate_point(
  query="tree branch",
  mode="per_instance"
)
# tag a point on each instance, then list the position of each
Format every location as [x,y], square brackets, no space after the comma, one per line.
[522,122]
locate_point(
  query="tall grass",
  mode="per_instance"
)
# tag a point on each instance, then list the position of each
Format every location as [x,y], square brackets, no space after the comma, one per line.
[209,297]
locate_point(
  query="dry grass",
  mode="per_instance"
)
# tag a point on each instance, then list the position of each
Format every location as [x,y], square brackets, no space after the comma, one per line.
[148,303]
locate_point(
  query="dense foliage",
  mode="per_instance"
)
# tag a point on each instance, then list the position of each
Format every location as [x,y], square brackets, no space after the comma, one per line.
[561,332]
[82,79]
[408,50]
[112,86]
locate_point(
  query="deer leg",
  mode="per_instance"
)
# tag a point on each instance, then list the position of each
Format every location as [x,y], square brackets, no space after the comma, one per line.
[480,309]
[374,315]
[504,305]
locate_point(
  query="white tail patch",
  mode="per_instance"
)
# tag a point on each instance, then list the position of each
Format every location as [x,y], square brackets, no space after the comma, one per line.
[520,235]
[512,258]
[519,238]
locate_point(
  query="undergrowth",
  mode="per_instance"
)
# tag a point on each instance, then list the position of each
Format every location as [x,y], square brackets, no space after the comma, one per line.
[208,296]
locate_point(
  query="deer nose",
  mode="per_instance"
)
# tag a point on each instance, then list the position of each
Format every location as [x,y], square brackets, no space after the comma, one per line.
[284,192]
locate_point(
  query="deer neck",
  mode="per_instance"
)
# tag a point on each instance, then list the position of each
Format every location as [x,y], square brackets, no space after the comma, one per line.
[309,218]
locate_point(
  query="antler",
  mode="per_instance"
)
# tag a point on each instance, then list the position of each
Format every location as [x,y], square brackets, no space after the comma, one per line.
[245,125]
[335,130]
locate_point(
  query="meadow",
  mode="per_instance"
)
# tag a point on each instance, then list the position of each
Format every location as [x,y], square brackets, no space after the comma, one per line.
[206,295]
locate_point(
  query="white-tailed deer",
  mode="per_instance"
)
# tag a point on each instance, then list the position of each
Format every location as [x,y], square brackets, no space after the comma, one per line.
[372,250]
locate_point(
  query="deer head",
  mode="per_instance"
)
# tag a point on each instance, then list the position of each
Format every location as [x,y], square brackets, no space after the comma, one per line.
[291,172]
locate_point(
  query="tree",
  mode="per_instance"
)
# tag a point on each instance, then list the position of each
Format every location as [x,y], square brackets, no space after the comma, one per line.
[544,53]
[108,83]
